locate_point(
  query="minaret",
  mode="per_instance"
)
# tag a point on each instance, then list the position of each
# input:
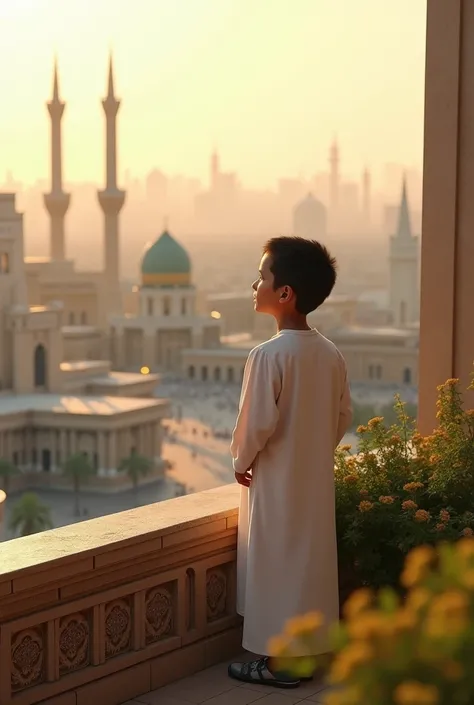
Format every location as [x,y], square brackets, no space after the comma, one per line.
[366,196]
[214,170]
[111,200]
[334,176]
[404,255]
[56,201]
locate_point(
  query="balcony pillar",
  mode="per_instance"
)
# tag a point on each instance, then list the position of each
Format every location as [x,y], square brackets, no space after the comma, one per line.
[447,255]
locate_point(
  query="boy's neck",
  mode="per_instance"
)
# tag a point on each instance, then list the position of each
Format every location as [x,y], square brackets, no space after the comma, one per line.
[293,321]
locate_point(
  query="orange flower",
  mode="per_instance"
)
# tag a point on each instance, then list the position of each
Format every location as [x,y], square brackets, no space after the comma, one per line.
[435,458]
[470,412]
[386,499]
[376,421]
[422,515]
[440,527]
[361,429]
[346,447]
[413,486]
[364,493]
[409,504]
[444,515]
[365,506]
[467,532]
[351,479]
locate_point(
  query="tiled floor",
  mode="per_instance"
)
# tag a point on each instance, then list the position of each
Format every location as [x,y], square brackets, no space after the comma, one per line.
[214,687]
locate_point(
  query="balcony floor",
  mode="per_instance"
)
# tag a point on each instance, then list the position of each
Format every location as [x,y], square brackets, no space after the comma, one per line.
[214,687]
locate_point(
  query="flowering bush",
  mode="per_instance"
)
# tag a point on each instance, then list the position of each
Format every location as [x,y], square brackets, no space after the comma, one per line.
[415,651]
[402,490]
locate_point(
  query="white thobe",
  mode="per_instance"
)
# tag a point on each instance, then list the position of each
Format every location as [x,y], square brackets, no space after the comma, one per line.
[295,407]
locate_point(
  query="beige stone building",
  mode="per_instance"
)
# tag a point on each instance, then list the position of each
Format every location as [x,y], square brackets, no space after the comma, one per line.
[51,409]
[167,322]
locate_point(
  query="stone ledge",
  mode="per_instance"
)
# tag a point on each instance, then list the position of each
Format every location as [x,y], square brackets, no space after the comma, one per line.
[78,549]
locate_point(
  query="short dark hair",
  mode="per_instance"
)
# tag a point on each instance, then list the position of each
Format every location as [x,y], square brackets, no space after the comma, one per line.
[304,265]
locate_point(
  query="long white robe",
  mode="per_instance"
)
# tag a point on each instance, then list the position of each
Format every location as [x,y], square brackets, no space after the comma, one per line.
[295,408]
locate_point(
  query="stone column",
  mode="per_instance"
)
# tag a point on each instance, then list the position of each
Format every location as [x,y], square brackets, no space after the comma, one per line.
[62,446]
[447,260]
[101,454]
[112,453]
[52,447]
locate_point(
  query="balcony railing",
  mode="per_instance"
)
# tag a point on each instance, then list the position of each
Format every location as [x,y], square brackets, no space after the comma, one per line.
[108,609]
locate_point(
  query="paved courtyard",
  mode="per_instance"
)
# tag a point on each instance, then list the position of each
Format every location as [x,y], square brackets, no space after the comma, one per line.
[214,687]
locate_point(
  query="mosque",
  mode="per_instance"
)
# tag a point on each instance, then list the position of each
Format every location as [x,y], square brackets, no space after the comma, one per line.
[52,404]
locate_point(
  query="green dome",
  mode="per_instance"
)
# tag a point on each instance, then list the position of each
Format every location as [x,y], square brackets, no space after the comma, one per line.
[166,262]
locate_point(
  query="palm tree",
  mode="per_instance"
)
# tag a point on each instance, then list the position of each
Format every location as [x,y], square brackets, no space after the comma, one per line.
[29,516]
[136,466]
[7,471]
[79,468]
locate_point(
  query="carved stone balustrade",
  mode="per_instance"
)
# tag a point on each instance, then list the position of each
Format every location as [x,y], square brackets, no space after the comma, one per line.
[107,609]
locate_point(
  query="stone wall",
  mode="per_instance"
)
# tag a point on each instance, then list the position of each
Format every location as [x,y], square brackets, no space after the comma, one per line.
[105,610]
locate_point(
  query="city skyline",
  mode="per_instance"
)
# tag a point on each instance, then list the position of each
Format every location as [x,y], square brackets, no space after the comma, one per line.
[169,80]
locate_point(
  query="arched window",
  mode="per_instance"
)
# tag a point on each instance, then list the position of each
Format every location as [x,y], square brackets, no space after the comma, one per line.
[72,318]
[204,373]
[166,306]
[83,318]
[40,366]
[184,307]
[191,372]
[407,375]
[217,374]
[230,375]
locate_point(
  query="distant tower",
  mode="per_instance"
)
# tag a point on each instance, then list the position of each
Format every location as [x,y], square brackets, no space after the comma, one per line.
[111,200]
[309,219]
[404,287]
[56,201]
[366,196]
[334,176]
[214,171]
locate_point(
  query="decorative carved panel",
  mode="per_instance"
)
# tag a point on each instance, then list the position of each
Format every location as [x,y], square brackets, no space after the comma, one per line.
[190,589]
[216,593]
[159,613]
[28,658]
[118,627]
[74,642]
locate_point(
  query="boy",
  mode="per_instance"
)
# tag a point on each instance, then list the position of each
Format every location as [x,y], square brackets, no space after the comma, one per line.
[295,407]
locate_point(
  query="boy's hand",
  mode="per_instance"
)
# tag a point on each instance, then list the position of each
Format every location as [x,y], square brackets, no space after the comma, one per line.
[245,478]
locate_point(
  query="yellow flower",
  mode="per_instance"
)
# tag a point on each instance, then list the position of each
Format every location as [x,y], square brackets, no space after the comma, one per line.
[452,382]
[305,624]
[418,598]
[465,547]
[422,515]
[415,693]
[404,620]
[417,565]
[351,658]
[278,645]
[359,601]
[467,532]
[365,506]
[467,578]
[395,438]
[435,458]
[444,515]
[413,486]
[448,614]
[470,412]
[346,447]
[367,626]
[376,421]
[362,429]
[409,504]
[387,499]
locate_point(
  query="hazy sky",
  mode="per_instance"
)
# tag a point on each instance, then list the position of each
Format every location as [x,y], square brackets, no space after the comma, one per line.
[268,81]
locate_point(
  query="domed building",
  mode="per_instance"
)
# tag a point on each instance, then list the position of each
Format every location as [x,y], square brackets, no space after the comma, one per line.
[167,322]
[310,219]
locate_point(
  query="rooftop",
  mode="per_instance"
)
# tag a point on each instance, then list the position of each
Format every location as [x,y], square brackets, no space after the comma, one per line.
[77,405]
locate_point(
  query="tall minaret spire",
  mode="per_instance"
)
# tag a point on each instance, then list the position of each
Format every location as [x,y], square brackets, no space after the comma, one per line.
[56,201]
[111,200]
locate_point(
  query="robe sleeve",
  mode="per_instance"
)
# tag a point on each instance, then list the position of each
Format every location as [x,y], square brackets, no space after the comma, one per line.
[258,411]
[345,408]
